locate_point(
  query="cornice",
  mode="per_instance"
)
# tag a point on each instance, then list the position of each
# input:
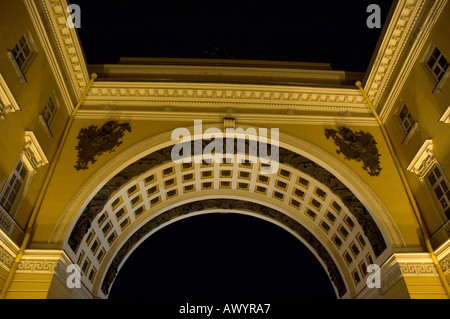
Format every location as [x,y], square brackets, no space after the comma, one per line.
[347,118]
[40,25]
[175,100]
[178,91]
[68,45]
[396,37]
[408,31]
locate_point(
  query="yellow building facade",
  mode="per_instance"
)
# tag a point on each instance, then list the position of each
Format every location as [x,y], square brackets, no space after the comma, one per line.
[87,170]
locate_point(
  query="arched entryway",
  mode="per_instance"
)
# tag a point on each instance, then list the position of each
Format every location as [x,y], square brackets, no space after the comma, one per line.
[310,198]
[222,256]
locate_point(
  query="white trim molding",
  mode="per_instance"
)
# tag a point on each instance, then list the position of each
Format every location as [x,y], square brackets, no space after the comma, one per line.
[55,263]
[8,251]
[33,152]
[408,31]
[70,50]
[443,255]
[60,43]
[423,160]
[397,35]
[446,116]
[8,103]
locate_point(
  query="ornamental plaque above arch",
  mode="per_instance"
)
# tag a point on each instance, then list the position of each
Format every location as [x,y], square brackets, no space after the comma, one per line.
[287,157]
[228,204]
[359,146]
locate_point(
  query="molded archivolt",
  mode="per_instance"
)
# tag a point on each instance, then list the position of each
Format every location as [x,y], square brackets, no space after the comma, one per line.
[301,196]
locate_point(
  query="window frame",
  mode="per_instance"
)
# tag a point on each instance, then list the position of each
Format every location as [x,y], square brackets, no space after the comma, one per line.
[407,134]
[445,212]
[22,69]
[438,82]
[47,125]
[12,211]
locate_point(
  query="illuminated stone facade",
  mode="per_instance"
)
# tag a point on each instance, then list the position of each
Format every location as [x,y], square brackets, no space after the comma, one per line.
[353,200]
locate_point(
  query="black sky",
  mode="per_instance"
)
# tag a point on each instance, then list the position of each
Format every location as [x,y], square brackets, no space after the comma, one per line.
[222,256]
[215,255]
[307,31]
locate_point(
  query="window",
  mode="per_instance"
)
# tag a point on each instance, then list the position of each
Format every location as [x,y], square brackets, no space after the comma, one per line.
[406,119]
[49,111]
[440,188]
[13,186]
[22,55]
[407,123]
[437,63]
[22,52]
[48,115]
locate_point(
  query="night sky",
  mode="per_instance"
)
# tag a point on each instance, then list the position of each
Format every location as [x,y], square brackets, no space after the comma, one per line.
[227,255]
[307,31]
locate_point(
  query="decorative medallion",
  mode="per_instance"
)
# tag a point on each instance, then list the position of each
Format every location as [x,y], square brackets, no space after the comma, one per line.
[360,146]
[94,141]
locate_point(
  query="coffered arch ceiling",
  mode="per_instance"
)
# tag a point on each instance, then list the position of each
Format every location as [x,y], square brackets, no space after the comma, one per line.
[148,191]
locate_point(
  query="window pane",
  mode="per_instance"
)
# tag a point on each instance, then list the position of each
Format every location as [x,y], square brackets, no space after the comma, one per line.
[51,105]
[444,203]
[437,71]
[7,207]
[17,185]
[437,172]
[23,173]
[443,61]
[444,186]
[46,116]
[12,197]
[403,113]
[431,62]
[410,119]
[436,53]
[26,49]
[3,200]
[438,191]
[432,179]
[22,41]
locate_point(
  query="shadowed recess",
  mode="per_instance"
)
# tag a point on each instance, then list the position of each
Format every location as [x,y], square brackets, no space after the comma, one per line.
[333,32]
[188,260]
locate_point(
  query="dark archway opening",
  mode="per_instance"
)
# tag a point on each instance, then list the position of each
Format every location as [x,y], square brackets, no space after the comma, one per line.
[222,256]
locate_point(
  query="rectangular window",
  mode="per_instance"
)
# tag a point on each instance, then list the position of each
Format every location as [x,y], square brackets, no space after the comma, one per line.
[13,187]
[24,52]
[440,189]
[407,123]
[406,119]
[49,112]
[437,63]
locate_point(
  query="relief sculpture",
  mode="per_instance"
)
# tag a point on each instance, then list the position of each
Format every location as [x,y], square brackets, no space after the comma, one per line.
[94,141]
[359,146]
